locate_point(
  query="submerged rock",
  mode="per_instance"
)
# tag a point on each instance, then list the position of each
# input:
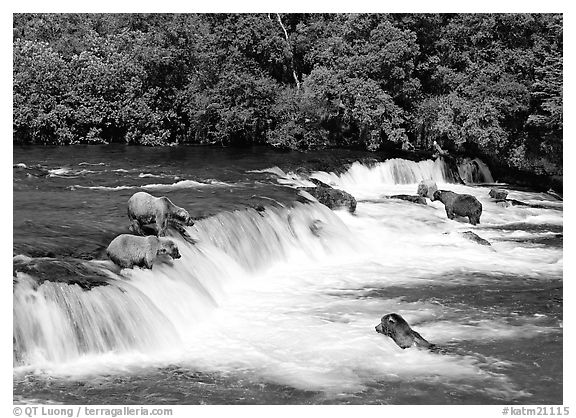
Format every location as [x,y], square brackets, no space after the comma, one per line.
[316,227]
[475,237]
[503,203]
[410,198]
[498,194]
[513,202]
[31,171]
[426,188]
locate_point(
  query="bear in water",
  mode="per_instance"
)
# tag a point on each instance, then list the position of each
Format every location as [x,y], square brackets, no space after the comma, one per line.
[396,327]
[460,204]
[128,251]
[426,188]
[498,194]
[143,209]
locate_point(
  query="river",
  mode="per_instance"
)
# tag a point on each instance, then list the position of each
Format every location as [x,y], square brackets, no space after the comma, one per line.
[265,309]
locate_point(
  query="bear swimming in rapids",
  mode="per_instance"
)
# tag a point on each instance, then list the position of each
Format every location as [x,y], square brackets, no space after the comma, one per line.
[128,251]
[396,327]
[460,205]
[144,209]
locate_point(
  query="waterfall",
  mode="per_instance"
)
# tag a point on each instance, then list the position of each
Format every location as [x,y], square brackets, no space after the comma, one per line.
[391,172]
[148,310]
[474,171]
[56,322]
[394,171]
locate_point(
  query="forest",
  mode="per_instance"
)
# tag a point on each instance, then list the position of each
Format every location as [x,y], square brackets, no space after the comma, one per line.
[487,85]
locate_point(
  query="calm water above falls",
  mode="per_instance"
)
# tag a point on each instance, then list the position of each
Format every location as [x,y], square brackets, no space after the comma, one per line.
[267,309]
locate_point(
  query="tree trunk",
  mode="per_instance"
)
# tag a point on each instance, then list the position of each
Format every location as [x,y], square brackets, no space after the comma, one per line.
[290,47]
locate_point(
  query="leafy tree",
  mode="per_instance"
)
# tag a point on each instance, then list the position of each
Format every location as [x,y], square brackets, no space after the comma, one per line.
[481,84]
[40,80]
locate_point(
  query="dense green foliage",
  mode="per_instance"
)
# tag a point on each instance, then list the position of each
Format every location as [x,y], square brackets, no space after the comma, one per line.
[484,84]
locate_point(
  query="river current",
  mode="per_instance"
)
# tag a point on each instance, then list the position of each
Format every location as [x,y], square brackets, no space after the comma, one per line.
[277,301]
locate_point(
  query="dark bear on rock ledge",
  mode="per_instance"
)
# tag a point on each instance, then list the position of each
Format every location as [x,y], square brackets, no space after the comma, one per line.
[460,205]
[333,198]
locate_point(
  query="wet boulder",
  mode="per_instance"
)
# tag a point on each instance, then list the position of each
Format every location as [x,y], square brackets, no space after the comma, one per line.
[498,194]
[410,198]
[331,197]
[69,271]
[426,188]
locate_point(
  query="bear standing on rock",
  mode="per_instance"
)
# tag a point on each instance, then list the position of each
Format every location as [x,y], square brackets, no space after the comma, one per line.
[143,209]
[128,251]
[460,204]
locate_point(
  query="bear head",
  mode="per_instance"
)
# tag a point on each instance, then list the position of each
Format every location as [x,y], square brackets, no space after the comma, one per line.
[184,216]
[169,247]
[394,326]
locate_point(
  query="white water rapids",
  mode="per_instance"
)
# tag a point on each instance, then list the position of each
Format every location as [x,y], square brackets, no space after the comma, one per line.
[283,294]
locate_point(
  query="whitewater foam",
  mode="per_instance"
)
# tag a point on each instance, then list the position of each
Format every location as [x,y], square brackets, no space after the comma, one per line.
[280,294]
[182,184]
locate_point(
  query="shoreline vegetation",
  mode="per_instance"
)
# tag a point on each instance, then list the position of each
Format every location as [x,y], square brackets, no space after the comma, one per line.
[485,85]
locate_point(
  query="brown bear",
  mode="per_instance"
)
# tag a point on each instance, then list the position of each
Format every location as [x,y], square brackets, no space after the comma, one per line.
[396,327]
[498,194]
[460,204]
[426,188]
[143,209]
[128,251]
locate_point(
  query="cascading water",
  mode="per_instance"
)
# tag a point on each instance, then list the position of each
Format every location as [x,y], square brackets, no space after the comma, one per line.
[289,296]
[56,322]
[390,172]
[474,171]
[150,310]
[375,180]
